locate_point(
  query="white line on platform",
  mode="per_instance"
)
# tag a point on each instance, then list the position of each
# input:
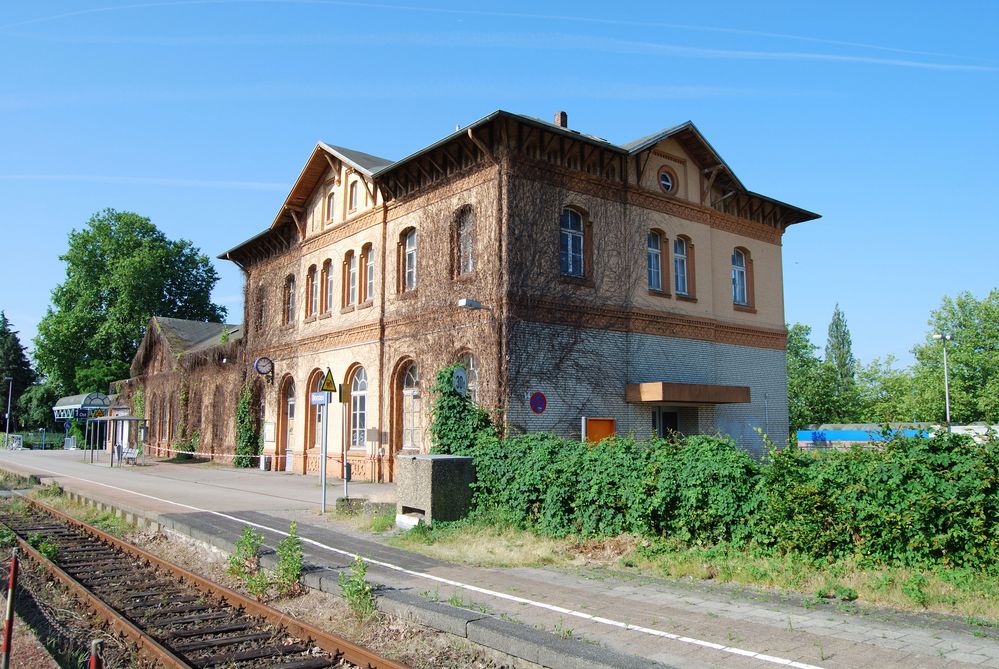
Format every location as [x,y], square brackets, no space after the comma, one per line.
[474,588]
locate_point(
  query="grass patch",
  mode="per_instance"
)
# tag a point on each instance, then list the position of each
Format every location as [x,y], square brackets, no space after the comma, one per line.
[106,521]
[12,481]
[484,543]
[378,523]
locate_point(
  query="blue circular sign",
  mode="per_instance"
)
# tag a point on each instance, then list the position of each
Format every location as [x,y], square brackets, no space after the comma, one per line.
[539,402]
[67,425]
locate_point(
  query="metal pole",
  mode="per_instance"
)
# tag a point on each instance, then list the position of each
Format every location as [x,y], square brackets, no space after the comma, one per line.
[8,621]
[325,408]
[10,392]
[43,438]
[946,384]
[96,661]
[346,436]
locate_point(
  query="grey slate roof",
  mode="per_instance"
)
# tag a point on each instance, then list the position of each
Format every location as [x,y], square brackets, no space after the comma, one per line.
[365,161]
[192,336]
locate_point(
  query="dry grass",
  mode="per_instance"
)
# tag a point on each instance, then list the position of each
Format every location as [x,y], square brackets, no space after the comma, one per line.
[487,545]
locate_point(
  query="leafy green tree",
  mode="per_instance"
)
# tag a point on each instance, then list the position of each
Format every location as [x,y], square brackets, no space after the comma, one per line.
[973,358]
[15,365]
[812,385]
[120,271]
[35,407]
[888,394]
[839,349]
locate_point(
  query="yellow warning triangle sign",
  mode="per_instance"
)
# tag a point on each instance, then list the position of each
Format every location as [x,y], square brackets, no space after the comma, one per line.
[328,385]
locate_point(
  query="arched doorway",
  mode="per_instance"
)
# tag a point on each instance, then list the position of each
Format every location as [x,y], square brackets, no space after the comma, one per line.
[286,426]
[407,423]
[314,420]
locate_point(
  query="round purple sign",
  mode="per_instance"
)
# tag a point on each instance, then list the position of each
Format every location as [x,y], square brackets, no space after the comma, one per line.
[538,402]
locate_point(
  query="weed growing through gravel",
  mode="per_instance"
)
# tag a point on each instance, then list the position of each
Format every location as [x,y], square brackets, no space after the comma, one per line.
[245,562]
[288,575]
[356,590]
[51,490]
[48,549]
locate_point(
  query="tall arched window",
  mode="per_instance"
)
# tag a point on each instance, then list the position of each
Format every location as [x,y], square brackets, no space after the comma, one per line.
[358,407]
[465,241]
[353,196]
[739,293]
[654,257]
[367,273]
[407,260]
[571,243]
[680,265]
[164,434]
[312,299]
[330,199]
[471,366]
[324,287]
[153,425]
[328,273]
[289,300]
[412,421]
[349,279]
[261,311]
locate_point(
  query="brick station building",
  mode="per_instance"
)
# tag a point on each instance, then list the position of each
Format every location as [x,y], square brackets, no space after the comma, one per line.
[585,286]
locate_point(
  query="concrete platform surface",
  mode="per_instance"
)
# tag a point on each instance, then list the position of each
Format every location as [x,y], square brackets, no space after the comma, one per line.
[677,624]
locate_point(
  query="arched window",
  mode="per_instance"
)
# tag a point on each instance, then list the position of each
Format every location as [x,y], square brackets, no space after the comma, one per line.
[739,293]
[151,437]
[407,260]
[324,287]
[289,300]
[330,199]
[349,279]
[261,312]
[353,196]
[471,366]
[164,433]
[412,421]
[328,281]
[367,273]
[743,297]
[667,180]
[654,257]
[571,243]
[465,241]
[312,299]
[358,407]
[680,265]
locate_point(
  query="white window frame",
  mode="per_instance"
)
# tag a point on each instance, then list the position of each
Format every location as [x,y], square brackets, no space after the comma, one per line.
[352,279]
[571,243]
[289,287]
[409,261]
[369,274]
[471,366]
[330,284]
[314,287]
[353,195]
[466,242]
[412,417]
[358,408]
[680,265]
[654,256]
[740,294]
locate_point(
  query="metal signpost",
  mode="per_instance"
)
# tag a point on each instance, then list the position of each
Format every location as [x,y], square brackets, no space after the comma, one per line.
[322,400]
[345,436]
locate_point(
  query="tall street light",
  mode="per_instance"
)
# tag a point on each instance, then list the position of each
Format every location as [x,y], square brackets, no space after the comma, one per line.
[10,391]
[946,338]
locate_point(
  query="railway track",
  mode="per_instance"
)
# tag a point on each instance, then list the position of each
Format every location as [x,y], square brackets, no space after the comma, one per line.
[177,618]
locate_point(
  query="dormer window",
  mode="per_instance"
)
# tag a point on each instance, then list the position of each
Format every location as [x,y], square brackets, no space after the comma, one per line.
[667,180]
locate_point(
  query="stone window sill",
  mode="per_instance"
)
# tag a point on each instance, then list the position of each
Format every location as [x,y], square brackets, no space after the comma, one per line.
[745,308]
[686,298]
[366,304]
[577,281]
[347,309]
[658,293]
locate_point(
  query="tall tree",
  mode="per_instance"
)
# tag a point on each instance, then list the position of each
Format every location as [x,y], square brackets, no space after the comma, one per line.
[120,271]
[34,407]
[14,364]
[973,359]
[839,351]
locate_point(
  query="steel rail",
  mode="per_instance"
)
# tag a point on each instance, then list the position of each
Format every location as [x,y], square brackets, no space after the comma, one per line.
[331,643]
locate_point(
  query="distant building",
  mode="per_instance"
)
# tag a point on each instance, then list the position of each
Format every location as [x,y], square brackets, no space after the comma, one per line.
[639,286]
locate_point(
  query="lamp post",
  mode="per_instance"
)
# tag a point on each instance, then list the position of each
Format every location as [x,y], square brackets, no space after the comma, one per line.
[945,338]
[10,392]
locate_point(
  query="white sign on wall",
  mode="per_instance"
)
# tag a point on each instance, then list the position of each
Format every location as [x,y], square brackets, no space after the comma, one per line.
[460,381]
[269,431]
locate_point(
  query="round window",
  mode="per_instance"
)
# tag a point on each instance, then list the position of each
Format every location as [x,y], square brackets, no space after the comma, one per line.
[666,180]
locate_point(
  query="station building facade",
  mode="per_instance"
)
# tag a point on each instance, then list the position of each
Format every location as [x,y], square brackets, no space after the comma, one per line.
[582,284]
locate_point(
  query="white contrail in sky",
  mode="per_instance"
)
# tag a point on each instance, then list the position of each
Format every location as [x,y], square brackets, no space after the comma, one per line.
[150,181]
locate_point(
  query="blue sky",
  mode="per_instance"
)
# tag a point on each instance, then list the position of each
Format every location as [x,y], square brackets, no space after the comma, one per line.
[880,116]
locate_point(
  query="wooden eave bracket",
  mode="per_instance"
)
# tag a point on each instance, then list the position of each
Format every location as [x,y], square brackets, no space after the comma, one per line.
[298,222]
[482,147]
[335,166]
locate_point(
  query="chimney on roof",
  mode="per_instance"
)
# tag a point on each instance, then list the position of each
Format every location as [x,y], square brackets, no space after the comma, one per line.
[561,119]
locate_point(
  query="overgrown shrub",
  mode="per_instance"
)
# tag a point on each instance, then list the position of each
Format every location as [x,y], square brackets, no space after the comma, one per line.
[288,574]
[912,501]
[245,561]
[247,439]
[356,590]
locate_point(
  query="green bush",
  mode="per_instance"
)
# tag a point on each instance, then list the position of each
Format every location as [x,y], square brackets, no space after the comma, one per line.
[247,439]
[246,560]
[356,590]
[912,501]
[288,574]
